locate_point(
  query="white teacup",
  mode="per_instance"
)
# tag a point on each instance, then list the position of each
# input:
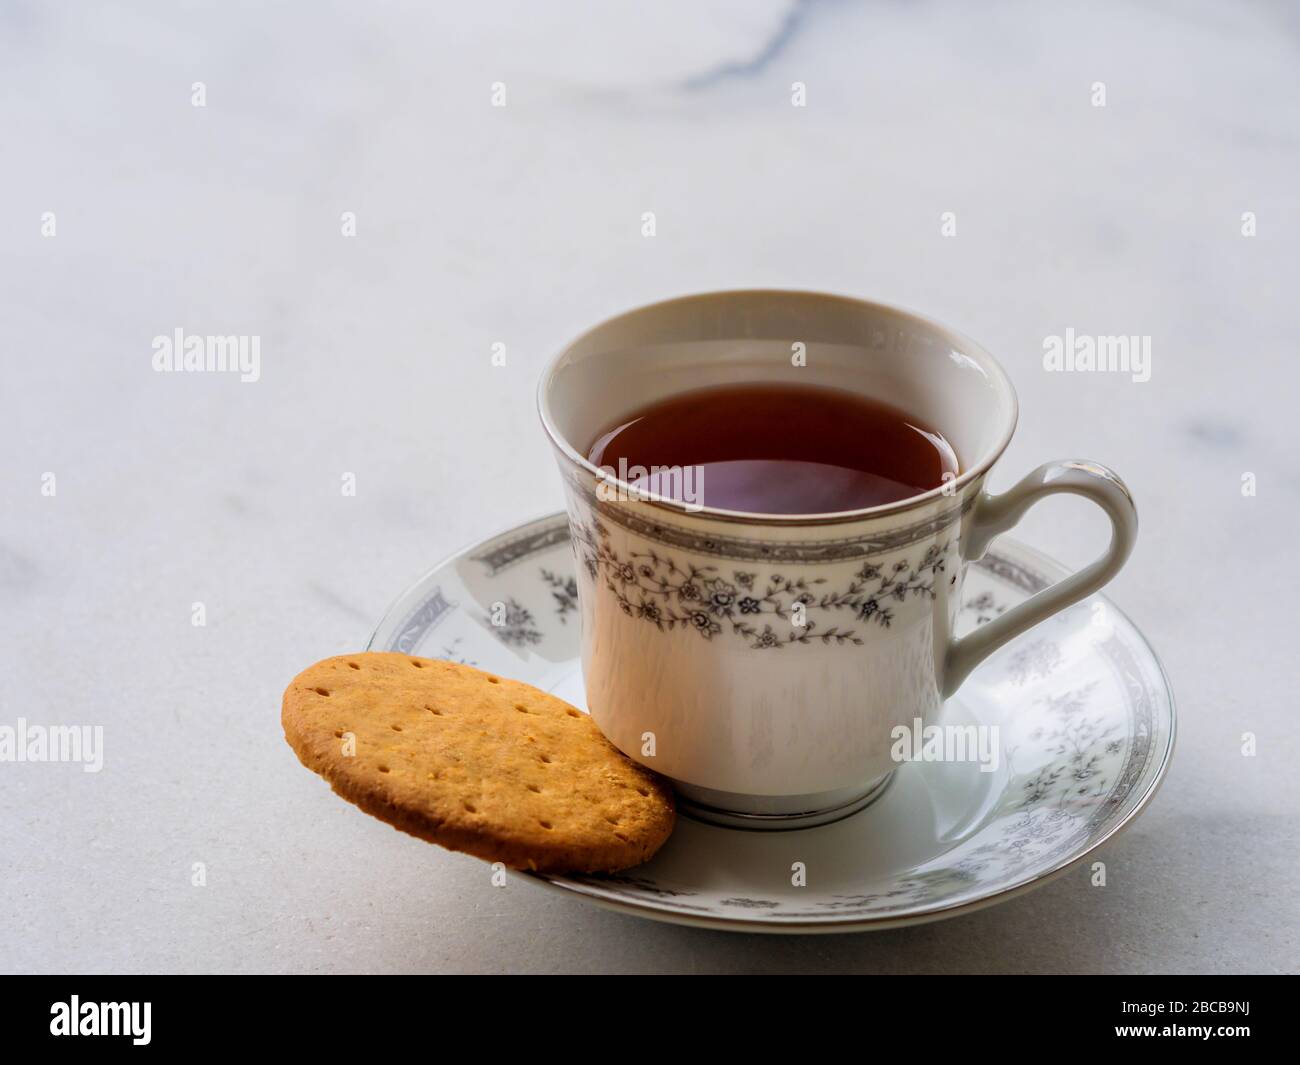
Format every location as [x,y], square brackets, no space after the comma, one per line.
[692,660]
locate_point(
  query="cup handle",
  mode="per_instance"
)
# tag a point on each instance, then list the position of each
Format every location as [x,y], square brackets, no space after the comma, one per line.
[996,514]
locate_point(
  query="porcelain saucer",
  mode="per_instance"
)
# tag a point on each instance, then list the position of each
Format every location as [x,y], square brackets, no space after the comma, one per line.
[1085,722]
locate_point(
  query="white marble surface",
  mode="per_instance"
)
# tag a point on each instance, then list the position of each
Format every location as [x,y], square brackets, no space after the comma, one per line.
[522,225]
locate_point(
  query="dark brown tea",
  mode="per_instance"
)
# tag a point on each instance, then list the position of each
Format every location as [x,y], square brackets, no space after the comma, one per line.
[776,449]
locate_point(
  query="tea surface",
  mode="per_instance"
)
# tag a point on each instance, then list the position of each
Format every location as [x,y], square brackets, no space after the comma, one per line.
[776,449]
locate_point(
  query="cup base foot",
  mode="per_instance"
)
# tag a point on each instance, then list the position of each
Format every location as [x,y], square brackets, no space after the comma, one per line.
[779,813]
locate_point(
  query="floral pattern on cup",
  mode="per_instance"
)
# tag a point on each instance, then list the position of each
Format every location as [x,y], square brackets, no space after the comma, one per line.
[671,593]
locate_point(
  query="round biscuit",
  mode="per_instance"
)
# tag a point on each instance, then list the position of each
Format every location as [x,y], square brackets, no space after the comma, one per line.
[475,762]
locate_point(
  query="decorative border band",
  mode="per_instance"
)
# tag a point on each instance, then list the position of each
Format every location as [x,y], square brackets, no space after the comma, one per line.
[741,549]
[516,549]
[424,617]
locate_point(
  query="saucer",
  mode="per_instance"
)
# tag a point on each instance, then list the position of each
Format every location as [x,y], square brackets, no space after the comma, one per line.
[1085,731]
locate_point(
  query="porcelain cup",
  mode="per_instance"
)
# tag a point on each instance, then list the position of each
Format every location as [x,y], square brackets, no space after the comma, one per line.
[762,662]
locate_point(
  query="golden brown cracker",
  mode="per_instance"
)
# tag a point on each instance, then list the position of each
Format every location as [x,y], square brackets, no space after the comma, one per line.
[475,762]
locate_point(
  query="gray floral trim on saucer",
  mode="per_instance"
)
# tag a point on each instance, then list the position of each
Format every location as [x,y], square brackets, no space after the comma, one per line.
[564,592]
[517,627]
[505,552]
[421,620]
